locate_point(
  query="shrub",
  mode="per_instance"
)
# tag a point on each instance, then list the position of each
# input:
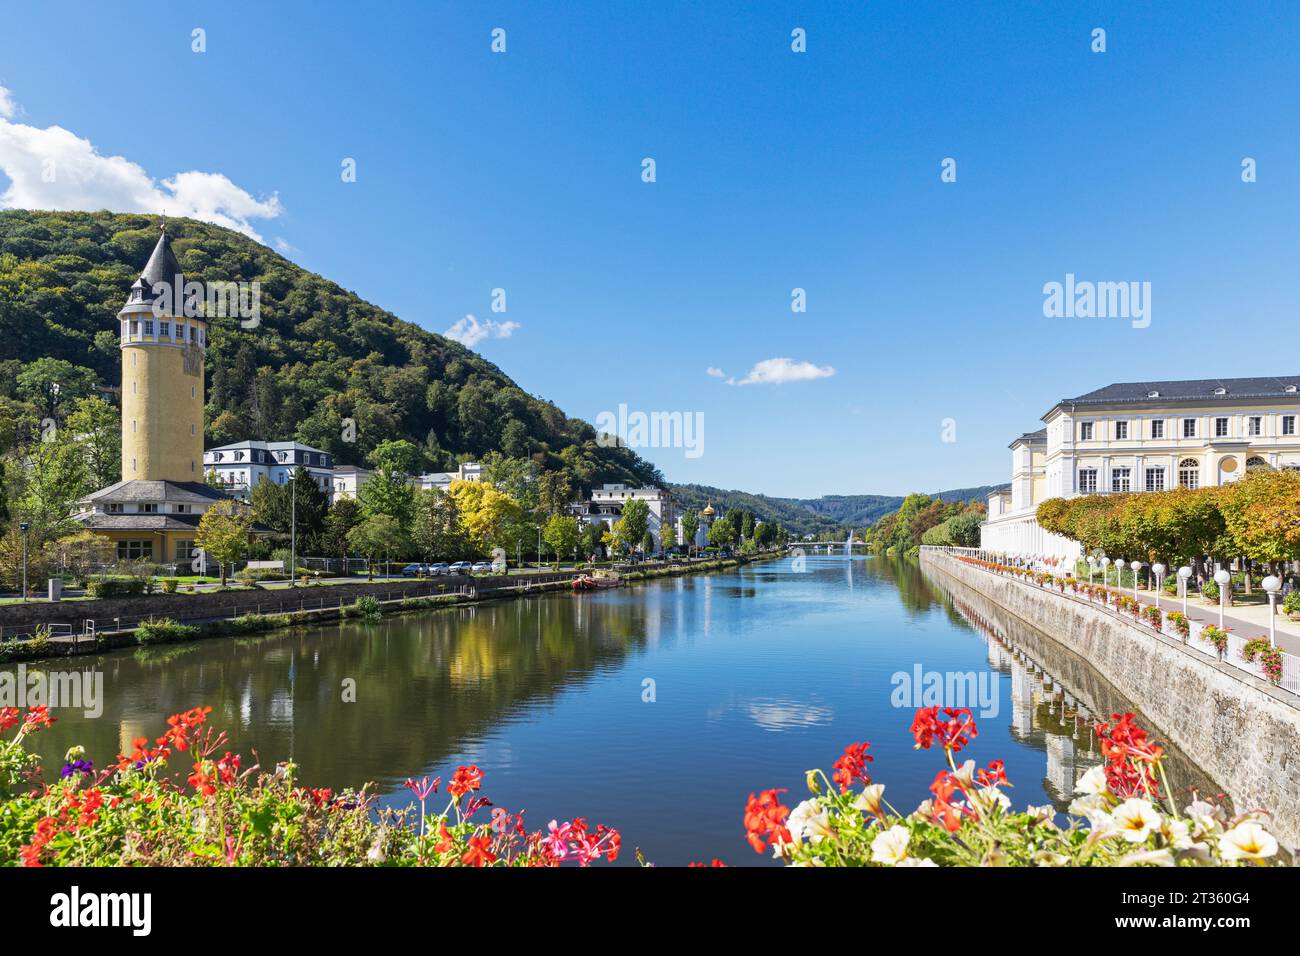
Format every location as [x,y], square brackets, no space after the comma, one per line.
[163,631]
[1291,603]
[116,587]
[367,606]
[169,585]
[1210,591]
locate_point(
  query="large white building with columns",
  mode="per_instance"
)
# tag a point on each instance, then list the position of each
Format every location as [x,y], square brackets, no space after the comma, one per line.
[1142,436]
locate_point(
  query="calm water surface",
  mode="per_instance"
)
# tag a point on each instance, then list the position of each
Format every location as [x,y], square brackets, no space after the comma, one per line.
[758,675]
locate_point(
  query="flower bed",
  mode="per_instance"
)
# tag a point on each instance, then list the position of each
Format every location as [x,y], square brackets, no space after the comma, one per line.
[131,812]
[969,821]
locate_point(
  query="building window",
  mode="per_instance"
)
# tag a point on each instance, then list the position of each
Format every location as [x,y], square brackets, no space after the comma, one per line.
[1085,431]
[1155,479]
[1288,424]
[1121,479]
[192,429]
[185,551]
[182,509]
[1121,431]
[113,507]
[1254,426]
[193,333]
[1189,473]
[194,392]
[148,326]
[165,330]
[1158,428]
[134,550]
[1254,461]
[148,508]
[1088,481]
[1220,428]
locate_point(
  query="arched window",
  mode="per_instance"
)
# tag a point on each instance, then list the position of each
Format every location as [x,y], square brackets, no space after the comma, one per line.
[1254,461]
[1189,473]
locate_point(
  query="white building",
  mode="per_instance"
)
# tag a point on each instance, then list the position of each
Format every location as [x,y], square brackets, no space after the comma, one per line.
[441,480]
[347,481]
[241,465]
[1142,436]
[606,504]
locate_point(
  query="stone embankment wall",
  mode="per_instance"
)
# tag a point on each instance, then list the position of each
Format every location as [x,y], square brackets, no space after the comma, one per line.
[1240,730]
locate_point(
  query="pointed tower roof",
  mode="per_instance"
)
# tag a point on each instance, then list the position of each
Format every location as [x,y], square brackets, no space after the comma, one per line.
[708,509]
[161,267]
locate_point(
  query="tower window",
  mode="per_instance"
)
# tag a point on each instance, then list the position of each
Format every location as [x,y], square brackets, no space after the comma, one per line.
[164,330]
[193,392]
[148,326]
[191,428]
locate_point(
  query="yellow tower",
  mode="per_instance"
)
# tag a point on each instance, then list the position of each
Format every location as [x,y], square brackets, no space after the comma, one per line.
[162,375]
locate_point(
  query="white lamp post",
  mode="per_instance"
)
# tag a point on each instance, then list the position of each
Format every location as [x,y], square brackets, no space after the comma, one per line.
[1272,584]
[1136,566]
[1185,573]
[1158,570]
[1092,567]
[1105,566]
[1222,578]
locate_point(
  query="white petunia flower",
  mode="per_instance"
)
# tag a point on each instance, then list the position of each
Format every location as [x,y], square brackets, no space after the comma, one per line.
[809,821]
[868,801]
[913,861]
[1092,782]
[1135,818]
[1247,841]
[890,846]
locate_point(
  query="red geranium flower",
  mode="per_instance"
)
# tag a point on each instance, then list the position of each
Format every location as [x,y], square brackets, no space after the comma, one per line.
[765,817]
[852,766]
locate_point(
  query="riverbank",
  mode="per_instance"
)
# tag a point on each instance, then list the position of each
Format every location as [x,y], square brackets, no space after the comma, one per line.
[263,612]
[1237,728]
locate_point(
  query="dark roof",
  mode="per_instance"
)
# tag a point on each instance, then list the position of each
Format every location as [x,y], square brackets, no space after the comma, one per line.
[165,522]
[177,491]
[161,267]
[1034,438]
[1197,389]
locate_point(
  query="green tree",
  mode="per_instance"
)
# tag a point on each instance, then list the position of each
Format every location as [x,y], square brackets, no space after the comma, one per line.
[635,521]
[436,530]
[722,534]
[561,535]
[343,515]
[223,533]
[377,536]
[54,385]
[690,527]
[96,427]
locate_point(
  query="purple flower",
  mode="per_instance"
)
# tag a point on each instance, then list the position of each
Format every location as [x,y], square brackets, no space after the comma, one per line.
[78,766]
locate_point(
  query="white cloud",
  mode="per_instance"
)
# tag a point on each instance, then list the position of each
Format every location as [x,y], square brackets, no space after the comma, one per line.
[778,371]
[469,331]
[715,372]
[285,247]
[55,169]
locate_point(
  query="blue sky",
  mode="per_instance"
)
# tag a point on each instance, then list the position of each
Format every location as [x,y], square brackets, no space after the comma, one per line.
[775,170]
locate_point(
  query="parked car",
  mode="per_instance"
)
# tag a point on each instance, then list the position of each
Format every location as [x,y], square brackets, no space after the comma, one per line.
[482,567]
[460,567]
[415,570]
[439,568]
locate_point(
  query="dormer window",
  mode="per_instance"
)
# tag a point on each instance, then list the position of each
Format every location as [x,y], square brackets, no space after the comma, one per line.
[1153,394]
[1290,389]
[1220,391]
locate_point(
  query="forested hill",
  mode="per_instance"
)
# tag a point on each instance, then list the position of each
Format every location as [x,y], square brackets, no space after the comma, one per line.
[321,354]
[831,514]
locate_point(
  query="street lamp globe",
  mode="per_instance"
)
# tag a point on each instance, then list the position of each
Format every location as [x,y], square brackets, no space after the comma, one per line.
[1184,572]
[1222,577]
[1158,569]
[1272,584]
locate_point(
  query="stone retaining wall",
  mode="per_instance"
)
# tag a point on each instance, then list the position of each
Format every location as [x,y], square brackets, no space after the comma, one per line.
[1237,728]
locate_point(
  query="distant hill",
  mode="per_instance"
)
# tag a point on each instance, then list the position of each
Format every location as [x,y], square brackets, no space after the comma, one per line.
[832,513]
[320,355]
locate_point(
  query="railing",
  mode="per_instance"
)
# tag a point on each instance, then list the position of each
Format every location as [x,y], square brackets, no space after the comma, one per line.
[1103,598]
